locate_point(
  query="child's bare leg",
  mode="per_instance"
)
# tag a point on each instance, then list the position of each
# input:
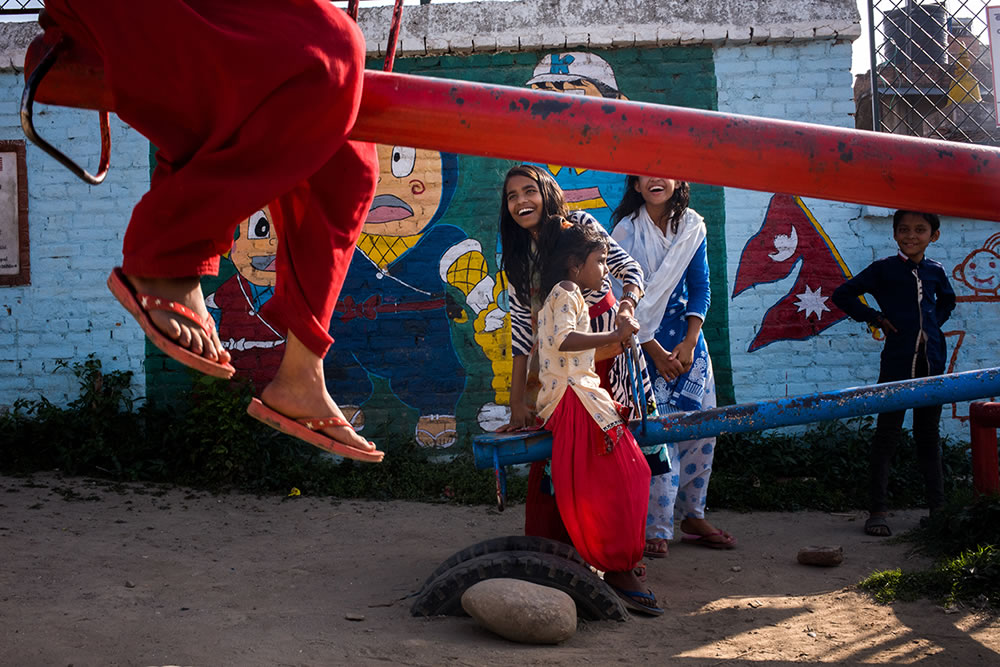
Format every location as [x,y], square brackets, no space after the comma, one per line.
[299,391]
[185,291]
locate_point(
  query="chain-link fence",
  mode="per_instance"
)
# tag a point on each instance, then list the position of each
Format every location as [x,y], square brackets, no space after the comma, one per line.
[23,7]
[931,70]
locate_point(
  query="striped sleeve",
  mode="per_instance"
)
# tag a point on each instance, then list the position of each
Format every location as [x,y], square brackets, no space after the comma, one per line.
[620,264]
[521,335]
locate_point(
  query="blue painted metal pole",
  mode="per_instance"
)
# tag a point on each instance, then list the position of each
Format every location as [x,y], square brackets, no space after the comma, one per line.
[822,406]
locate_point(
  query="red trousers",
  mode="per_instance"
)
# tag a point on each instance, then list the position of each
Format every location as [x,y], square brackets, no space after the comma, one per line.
[247,102]
[602,497]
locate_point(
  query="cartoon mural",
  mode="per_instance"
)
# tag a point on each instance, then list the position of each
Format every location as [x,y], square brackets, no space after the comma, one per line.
[394,316]
[977,280]
[577,73]
[255,345]
[492,334]
[980,272]
[791,235]
[421,330]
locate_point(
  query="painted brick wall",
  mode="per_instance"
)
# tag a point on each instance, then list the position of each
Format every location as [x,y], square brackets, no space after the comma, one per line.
[808,82]
[436,369]
[811,82]
[803,75]
[66,313]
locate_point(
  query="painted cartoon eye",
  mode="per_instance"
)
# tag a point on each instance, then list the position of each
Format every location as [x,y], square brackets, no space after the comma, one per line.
[993,265]
[259,227]
[972,266]
[402,160]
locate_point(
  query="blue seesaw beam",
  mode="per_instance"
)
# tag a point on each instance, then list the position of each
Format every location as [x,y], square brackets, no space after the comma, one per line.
[502,449]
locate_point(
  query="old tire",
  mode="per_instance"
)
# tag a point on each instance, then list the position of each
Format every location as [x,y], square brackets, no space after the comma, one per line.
[508,543]
[594,599]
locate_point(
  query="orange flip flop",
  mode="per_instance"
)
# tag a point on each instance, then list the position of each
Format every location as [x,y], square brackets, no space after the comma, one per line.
[728,541]
[652,549]
[307,431]
[139,306]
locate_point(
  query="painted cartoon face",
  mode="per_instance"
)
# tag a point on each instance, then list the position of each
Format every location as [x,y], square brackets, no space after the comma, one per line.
[254,251]
[591,275]
[913,234]
[655,191]
[409,191]
[980,271]
[524,201]
[577,87]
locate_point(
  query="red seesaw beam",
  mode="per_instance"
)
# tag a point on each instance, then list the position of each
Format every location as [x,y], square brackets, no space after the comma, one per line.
[699,146]
[633,137]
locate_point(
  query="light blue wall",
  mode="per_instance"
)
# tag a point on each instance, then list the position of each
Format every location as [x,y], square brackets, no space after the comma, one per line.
[811,82]
[75,231]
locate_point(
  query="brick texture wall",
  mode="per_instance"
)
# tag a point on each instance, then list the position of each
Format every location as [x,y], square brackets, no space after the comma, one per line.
[456,378]
[67,313]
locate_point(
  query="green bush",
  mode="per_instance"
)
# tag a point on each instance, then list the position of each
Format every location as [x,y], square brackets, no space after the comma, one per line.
[824,468]
[214,444]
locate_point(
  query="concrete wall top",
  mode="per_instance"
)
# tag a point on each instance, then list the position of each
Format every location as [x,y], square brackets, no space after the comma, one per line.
[462,28]
[480,27]
[14,40]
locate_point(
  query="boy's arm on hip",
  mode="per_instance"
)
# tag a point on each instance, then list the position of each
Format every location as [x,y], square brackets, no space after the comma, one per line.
[846,296]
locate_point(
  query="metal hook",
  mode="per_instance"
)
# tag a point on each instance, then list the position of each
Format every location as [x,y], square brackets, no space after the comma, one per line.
[28,125]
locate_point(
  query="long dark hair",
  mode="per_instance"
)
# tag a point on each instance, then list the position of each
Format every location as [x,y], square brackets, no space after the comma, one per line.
[572,248]
[632,201]
[519,262]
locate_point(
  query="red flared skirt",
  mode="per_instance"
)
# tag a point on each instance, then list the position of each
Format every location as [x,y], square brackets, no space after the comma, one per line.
[601,495]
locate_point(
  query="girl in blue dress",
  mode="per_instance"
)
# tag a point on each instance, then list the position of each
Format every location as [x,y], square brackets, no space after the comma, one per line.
[654,225]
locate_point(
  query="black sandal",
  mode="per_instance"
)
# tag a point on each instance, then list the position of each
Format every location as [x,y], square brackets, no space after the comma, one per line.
[874,526]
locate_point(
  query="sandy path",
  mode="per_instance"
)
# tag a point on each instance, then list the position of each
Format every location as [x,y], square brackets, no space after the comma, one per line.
[91,576]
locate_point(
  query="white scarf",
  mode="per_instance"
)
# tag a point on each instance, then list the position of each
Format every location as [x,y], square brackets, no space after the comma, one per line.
[663,261]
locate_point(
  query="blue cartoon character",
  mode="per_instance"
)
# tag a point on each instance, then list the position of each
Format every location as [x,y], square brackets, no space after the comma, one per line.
[578,73]
[394,317]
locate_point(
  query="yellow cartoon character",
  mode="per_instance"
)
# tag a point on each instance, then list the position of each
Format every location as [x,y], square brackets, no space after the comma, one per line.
[492,333]
[410,191]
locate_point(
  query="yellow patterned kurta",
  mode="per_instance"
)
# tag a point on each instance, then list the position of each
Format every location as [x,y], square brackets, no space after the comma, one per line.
[564,312]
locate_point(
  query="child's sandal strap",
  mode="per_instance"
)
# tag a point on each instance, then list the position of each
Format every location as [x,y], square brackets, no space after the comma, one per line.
[149,302]
[325,422]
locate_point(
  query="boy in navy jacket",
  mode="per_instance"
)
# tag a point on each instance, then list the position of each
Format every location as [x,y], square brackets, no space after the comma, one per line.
[915,298]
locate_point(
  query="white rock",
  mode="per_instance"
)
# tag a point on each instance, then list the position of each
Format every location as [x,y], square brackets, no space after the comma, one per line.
[521,611]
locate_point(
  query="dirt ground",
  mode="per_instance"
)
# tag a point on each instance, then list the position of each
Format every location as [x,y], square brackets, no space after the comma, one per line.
[96,576]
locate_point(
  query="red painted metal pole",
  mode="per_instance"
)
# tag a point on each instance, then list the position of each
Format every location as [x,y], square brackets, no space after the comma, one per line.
[390,44]
[632,137]
[700,146]
[984,418]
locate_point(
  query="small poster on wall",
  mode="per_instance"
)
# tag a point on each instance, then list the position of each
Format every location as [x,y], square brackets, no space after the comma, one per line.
[14,268]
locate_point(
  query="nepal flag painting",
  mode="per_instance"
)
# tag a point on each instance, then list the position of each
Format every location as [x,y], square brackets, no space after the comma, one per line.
[791,236]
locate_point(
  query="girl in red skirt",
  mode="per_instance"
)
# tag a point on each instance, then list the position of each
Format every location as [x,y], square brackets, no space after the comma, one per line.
[599,475]
[247,102]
